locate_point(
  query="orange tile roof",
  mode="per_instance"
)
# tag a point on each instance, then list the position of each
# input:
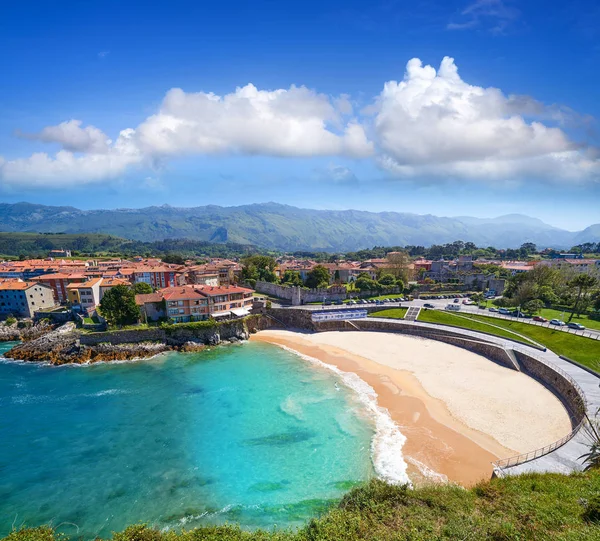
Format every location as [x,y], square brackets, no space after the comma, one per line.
[18,285]
[143,298]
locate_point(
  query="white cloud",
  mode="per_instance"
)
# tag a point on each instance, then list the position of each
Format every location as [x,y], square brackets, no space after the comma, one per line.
[495,15]
[71,136]
[434,123]
[292,122]
[68,168]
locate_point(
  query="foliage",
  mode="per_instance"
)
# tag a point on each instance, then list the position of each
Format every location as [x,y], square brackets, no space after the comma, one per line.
[583,283]
[37,245]
[533,306]
[291,278]
[175,259]
[140,288]
[259,267]
[10,320]
[387,280]
[318,277]
[118,306]
[527,507]
[592,457]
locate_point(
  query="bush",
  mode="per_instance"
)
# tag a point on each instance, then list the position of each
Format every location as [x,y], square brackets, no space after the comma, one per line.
[591,512]
[10,320]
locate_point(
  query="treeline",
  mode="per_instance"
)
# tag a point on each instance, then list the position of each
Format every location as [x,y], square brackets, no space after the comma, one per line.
[38,245]
[545,287]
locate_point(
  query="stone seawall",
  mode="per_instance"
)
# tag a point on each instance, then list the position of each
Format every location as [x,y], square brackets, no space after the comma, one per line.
[556,382]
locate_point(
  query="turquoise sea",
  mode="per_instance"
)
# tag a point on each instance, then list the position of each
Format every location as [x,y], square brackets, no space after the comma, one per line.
[247,433]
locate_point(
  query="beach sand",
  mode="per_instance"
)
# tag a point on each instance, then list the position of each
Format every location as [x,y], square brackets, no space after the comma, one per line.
[458,410]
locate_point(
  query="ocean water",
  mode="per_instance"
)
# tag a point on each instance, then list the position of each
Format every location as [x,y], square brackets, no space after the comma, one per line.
[248,434]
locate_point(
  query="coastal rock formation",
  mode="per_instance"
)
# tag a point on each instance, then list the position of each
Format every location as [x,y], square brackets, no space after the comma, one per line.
[68,345]
[14,332]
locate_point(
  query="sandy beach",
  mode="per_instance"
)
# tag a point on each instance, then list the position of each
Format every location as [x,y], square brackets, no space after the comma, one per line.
[458,410]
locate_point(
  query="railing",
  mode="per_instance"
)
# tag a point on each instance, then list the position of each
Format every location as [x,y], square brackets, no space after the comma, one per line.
[537,453]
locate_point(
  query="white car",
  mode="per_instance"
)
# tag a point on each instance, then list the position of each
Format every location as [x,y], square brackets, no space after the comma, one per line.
[557,322]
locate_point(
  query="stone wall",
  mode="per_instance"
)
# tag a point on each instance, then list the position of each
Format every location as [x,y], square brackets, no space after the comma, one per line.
[301,295]
[556,382]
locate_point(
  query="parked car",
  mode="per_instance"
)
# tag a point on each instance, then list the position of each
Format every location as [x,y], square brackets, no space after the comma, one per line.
[540,319]
[492,309]
[338,302]
[504,311]
[428,305]
[557,322]
[456,300]
[576,326]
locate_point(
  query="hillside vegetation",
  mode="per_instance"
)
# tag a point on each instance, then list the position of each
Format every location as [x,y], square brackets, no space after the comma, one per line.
[533,507]
[39,244]
[282,227]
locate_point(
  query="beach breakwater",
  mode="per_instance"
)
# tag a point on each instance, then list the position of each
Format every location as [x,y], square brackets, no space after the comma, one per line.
[69,345]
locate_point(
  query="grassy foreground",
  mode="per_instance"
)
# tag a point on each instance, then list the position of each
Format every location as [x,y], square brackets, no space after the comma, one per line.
[529,507]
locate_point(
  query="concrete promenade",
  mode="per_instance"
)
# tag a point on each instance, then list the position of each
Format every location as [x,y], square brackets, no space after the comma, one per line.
[564,459]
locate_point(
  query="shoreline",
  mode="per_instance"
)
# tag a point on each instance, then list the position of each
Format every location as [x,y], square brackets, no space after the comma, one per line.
[437,439]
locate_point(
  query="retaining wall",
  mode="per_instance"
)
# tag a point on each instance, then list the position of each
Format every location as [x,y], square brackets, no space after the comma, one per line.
[556,382]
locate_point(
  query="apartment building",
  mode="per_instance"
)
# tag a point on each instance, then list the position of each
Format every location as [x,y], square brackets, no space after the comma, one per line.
[22,299]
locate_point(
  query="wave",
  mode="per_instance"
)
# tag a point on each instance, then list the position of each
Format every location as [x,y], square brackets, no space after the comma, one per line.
[386,445]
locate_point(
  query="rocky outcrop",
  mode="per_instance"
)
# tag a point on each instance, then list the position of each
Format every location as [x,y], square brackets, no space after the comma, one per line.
[23,331]
[68,345]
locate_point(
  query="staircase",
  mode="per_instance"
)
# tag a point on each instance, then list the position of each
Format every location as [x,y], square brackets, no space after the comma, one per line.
[412,313]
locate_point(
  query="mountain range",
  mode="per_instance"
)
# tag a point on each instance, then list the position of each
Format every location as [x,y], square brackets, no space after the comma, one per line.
[283,227]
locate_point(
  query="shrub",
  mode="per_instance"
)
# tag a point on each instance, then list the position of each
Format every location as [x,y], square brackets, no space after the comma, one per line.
[10,320]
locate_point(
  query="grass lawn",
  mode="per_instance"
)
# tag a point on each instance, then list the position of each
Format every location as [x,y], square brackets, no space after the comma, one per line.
[528,507]
[583,350]
[89,321]
[550,313]
[449,318]
[394,313]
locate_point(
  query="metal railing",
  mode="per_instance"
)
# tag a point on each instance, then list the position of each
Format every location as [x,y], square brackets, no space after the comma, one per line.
[537,453]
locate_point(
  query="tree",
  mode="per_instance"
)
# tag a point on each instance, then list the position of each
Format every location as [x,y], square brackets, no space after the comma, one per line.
[118,306]
[399,265]
[533,306]
[387,280]
[400,284]
[291,278]
[141,288]
[259,267]
[583,283]
[174,259]
[318,277]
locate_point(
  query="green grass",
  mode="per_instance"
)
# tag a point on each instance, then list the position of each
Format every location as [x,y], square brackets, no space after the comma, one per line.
[550,313]
[449,318]
[531,507]
[394,313]
[583,350]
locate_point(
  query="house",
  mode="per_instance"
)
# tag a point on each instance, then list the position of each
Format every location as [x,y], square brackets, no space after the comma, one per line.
[159,276]
[108,283]
[152,306]
[196,302]
[22,299]
[59,253]
[58,282]
[85,294]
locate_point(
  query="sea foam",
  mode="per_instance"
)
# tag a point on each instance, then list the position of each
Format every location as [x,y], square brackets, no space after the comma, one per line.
[386,445]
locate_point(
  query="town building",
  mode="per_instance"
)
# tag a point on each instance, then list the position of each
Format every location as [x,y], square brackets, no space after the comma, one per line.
[22,299]
[85,295]
[59,282]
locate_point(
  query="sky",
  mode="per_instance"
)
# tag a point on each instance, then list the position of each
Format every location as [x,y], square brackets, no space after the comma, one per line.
[473,107]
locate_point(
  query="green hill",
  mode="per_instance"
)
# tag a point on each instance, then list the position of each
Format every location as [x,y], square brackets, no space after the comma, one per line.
[282,227]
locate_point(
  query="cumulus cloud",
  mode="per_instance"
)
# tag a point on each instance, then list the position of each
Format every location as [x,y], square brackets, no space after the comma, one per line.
[292,122]
[434,123]
[68,168]
[71,136]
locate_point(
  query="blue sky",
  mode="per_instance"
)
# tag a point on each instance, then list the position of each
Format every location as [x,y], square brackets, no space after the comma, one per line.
[340,113]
